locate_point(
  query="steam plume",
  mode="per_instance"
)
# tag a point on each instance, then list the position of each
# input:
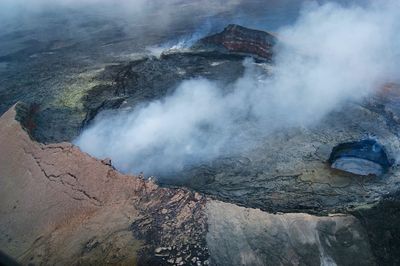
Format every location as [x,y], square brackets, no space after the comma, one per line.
[331,55]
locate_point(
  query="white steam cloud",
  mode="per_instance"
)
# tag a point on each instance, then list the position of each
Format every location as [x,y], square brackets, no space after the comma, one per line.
[332,54]
[154,15]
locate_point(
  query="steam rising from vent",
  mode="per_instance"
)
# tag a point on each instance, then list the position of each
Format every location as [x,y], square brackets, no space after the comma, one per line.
[331,55]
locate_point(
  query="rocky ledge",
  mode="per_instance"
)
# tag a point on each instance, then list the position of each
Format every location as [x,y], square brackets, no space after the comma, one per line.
[236,39]
[60,206]
[82,211]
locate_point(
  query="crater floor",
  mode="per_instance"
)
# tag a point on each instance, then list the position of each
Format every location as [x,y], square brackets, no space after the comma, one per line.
[283,201]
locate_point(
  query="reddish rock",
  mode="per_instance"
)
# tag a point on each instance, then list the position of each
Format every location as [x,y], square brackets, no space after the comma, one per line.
[240,40]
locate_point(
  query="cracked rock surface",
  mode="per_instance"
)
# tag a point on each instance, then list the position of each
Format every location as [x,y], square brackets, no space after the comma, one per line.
[59,206]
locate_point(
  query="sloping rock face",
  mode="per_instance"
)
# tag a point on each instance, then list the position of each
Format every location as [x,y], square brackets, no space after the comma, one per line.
[381,223]
[59,206]
[240,40]
[259,238]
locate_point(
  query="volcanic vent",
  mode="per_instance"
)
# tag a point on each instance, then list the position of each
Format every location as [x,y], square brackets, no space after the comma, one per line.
[365,157]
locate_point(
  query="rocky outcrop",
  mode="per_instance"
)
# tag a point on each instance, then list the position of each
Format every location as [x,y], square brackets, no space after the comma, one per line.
[380,222]
[236,39]
[59,206]
[259,238]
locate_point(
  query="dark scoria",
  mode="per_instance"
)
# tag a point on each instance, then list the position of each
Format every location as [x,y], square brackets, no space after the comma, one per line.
[149,78]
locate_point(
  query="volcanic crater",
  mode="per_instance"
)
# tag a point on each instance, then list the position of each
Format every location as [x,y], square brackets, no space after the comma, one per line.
[289,171]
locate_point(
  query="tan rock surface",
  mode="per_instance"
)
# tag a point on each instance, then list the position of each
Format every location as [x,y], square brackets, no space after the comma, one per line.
[61,206]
